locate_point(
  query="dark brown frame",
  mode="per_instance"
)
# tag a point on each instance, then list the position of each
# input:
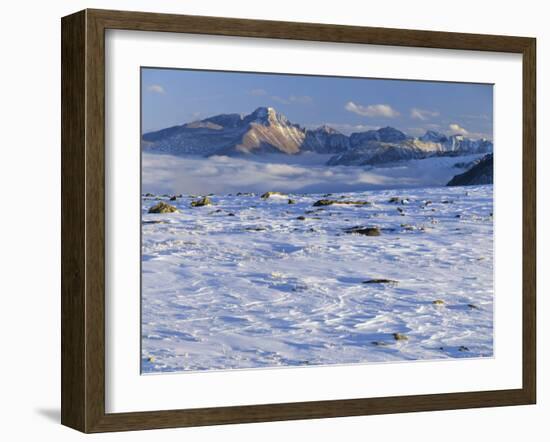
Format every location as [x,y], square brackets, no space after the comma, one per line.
[83,220]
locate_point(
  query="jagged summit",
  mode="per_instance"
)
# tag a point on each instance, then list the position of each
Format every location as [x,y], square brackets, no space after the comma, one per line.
[266,116]
[326,129]
[267,131]
[433,136]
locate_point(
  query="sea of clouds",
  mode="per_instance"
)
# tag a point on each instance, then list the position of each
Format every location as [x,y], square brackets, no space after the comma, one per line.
[297,174]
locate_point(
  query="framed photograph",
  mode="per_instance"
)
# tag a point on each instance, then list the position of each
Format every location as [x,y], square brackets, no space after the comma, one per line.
[267,221]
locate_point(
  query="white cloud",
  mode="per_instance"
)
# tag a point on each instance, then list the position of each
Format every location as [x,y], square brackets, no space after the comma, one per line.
[258,92]
[280,99]
[457,129]
[301,99]
[423,114]
[372,110]
[297,173]
[475,117]
[298,99]
[156,88]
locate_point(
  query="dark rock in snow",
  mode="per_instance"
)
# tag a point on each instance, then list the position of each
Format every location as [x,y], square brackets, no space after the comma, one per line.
[380,281]
[400,337]
[368,231]
[331,202]
[270,194]
[162,207]
[204,201]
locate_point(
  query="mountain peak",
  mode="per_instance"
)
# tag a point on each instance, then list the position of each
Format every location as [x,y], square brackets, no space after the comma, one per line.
[266,115]
[264,112]
[391,134]
[326,129]
[433,136]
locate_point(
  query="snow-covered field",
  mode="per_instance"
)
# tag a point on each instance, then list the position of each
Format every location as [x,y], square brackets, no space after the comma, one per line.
[250,283]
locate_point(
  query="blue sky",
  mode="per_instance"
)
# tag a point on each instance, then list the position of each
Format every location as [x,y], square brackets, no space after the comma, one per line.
[177,96]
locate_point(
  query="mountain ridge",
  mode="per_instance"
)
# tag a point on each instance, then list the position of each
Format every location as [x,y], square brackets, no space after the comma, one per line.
[267,131]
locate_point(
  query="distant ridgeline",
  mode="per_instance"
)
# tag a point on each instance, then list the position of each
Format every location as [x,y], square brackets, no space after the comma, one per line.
[267,131]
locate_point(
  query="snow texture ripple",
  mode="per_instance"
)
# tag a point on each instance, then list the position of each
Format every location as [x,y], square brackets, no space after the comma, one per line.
[252,283]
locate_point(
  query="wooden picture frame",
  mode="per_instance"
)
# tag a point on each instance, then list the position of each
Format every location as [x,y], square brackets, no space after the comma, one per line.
[83,220]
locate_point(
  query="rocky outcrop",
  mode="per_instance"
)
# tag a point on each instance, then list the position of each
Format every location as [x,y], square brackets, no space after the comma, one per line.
[367,231]
[480,173]
[270,194]
[162,207]
[204,201]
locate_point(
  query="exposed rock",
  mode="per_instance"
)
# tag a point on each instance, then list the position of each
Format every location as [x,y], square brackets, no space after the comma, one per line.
[325,140]
[480,173]
[400,337]
[204,201]
[162,207]
[323,203]
[326,202]
[380,281]
[438,302]
[368,231]
[270,194]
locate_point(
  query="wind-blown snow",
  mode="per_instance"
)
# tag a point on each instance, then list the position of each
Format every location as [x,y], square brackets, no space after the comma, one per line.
[244,283]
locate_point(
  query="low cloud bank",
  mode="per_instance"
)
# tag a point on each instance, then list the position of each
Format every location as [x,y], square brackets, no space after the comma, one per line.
[299,174]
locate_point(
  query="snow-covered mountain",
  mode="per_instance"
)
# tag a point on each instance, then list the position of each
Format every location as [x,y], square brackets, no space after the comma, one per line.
[325,140]
[267,131]
[264,130]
